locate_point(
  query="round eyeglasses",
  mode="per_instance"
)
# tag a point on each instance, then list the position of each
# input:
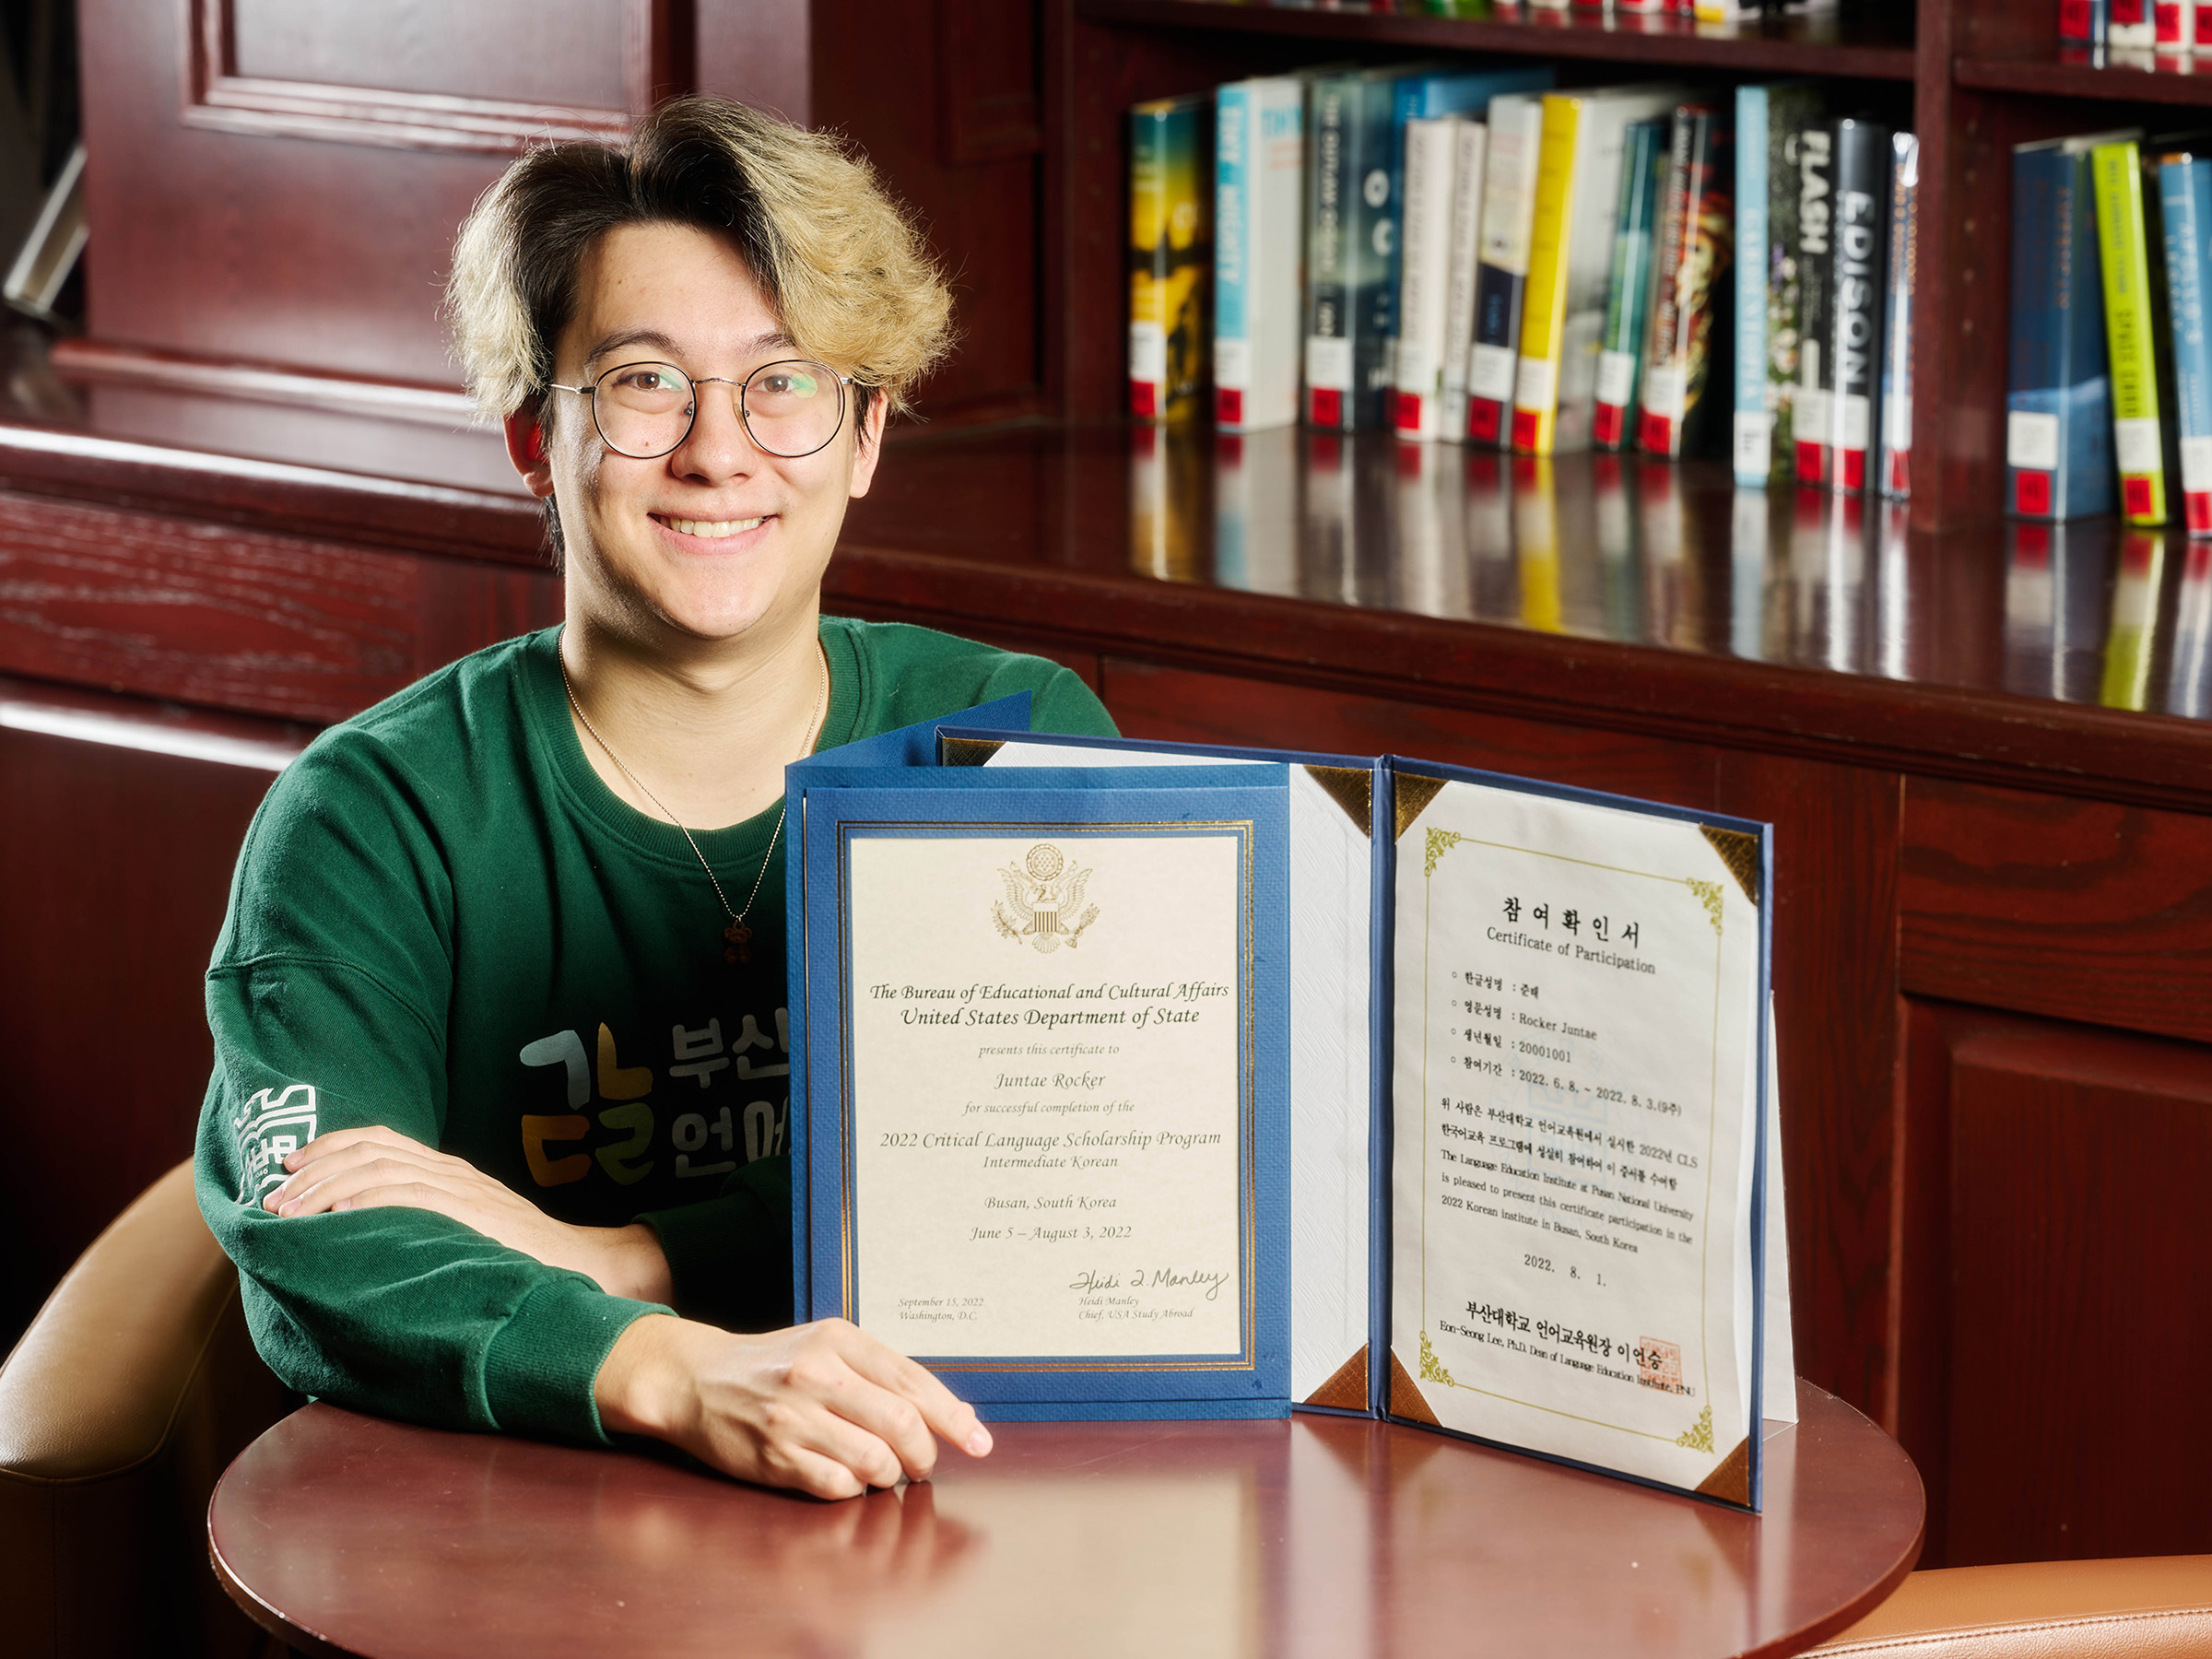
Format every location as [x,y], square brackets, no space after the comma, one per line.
[645,410]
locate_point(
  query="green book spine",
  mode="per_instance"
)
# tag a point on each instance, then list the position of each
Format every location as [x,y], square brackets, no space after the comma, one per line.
[2129,322]
[1628,287]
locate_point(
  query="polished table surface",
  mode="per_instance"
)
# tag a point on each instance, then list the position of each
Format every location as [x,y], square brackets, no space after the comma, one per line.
[1324,1535]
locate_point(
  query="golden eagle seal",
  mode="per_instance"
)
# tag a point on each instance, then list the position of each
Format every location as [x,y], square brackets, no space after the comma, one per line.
[1045,892]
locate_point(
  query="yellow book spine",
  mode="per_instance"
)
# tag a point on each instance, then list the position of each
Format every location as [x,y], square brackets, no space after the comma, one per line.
[1544,311]
[2137,443]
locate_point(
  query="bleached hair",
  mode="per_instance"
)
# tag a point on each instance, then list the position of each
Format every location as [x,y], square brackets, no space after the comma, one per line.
[843,265]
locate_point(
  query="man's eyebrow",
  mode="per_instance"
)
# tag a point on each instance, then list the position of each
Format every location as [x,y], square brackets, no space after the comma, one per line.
[632,336]
[660,342]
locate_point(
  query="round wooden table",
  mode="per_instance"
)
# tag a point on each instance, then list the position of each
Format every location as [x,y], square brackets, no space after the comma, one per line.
[1333,1537]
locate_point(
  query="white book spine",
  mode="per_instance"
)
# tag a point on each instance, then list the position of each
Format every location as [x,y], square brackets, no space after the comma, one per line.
[1260,161]
[1469,170]
[1424,275]
[1509,206]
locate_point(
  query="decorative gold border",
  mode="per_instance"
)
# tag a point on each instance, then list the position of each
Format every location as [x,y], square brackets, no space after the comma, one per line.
[1709,894]
[1247,1085]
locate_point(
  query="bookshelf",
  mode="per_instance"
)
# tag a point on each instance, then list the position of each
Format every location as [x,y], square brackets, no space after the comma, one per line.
[1973,77]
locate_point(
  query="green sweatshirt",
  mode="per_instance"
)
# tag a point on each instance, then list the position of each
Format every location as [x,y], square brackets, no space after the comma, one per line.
[444,921]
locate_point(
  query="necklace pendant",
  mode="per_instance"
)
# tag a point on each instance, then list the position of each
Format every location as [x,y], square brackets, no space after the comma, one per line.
[740,942]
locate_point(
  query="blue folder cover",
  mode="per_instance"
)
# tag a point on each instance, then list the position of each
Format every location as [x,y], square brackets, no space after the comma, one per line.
[836,804]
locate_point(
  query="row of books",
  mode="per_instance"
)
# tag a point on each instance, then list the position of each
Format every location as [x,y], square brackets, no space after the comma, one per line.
[2110,393]
[2137,25]
[1475,257]
[1703,11]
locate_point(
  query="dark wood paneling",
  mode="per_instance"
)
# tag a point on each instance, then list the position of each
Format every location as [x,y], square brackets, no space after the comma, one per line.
[117,867]
[2082,1294]
[1836,831]
[945,125]
[240,619]
[256,248]
[1181,706]
[574,59]
[2083,909]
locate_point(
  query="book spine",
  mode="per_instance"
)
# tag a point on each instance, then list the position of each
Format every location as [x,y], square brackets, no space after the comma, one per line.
[1329,401]
[2185,205]
[1681,411]
[1897,327]
[1147,263]
[1543,310]
[2129,23]
[1170,255]
[1508,203]
[2173,22]
[1629,283]
[1424,280]
[2082,23]
[1752,445]
[2130,326]
[1791,112]
[1468,170]
[1234,140]
[1860,234]
[1374,211]
[1816,263]
[1260,167]
[2058,398]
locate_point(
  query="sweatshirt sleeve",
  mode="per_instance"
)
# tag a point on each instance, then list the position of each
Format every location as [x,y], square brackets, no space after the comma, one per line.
[325,1002]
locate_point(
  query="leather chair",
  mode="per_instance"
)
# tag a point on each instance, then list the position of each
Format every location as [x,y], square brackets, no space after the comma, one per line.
[131,1392]
[2152,1608]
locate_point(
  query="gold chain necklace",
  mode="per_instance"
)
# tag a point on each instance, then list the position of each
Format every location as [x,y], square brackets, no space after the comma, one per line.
[737,936]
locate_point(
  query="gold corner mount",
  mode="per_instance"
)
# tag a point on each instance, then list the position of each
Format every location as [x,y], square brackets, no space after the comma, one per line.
[1352,788]
[1739,852]
[1412,798]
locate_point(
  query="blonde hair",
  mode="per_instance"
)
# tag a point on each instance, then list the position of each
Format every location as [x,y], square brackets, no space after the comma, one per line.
[843,265]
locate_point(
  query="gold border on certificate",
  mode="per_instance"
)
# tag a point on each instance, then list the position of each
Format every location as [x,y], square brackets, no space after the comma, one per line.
[1700,1435]
[1247,1099]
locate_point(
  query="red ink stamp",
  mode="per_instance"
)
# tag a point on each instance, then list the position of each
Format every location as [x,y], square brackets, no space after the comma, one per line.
[1659,1364]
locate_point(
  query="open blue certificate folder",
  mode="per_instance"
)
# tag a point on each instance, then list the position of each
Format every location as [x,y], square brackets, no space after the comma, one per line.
[1143,1079]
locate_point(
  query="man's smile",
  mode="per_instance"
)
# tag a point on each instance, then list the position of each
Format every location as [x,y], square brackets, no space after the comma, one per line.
[708,529]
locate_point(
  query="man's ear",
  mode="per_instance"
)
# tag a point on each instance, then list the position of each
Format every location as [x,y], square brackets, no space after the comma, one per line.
[526,448]
[870,446]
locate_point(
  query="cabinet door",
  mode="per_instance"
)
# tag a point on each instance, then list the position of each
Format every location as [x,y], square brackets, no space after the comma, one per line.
[2061,1290]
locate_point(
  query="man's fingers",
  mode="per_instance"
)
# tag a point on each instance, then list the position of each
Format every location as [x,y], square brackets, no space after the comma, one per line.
[349,1186]
[942,1411]
[365,1153]
[821,1372]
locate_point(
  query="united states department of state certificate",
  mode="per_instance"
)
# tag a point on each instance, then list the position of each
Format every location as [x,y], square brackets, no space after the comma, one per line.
[1576,1114]
[1047,1051]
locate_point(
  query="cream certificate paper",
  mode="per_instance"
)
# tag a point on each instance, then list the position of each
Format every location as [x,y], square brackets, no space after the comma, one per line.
[1049,1040]
[1576,1102]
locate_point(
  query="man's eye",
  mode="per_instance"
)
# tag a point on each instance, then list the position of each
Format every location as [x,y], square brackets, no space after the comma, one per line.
[644,380]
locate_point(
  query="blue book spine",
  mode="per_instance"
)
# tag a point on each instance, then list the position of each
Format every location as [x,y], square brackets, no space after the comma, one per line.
[2058,405]
[1754,426]
[1233,239]
[2186,195]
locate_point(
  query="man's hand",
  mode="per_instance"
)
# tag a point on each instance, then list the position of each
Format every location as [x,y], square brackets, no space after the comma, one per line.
[823,1407]
[367,1169]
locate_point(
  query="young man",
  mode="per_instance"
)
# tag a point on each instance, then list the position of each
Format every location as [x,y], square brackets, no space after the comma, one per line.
[500,1050]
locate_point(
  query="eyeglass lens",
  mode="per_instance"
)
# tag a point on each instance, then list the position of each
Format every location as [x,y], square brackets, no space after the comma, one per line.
[789,408]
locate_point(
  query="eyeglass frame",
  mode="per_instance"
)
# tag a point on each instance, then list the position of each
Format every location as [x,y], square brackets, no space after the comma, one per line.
[590,388]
